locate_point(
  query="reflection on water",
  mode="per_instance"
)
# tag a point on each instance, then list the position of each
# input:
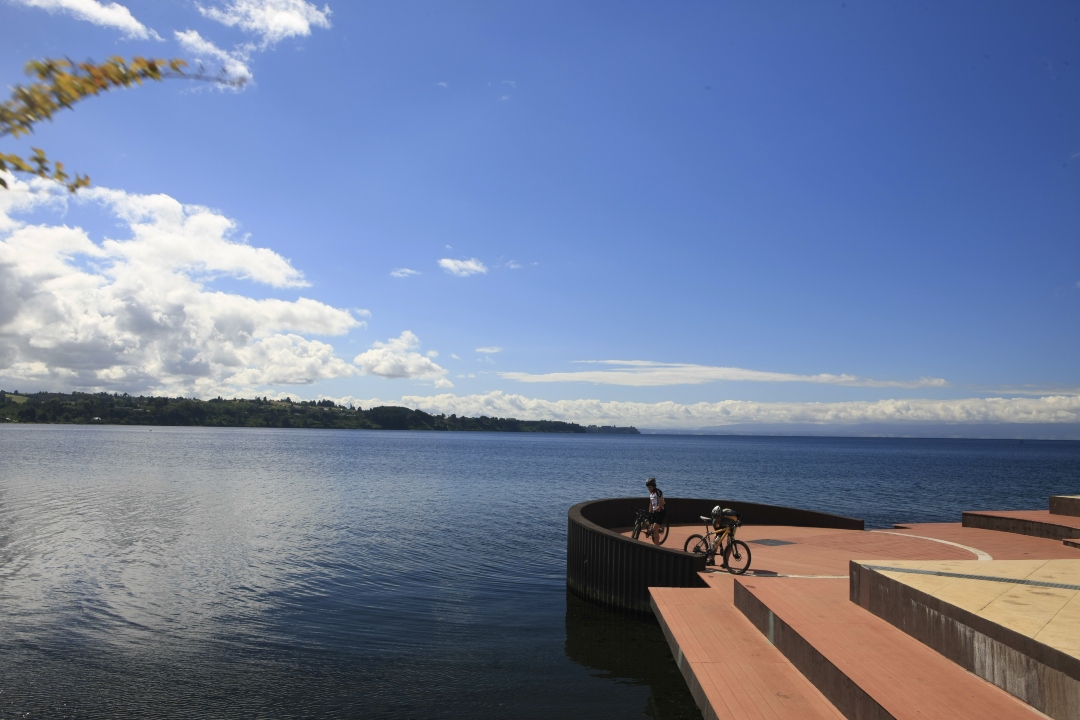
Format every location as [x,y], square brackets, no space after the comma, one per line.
[628,648]
[300,573]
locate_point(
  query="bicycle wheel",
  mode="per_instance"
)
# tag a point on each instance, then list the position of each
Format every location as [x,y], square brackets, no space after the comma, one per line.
[696,544]
[663,533]
[737,557]
[637,530]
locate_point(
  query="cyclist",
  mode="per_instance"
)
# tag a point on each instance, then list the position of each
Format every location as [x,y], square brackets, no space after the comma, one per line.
[657,511]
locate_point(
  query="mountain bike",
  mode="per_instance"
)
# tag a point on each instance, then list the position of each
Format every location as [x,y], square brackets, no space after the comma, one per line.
[735,553]
[644,522]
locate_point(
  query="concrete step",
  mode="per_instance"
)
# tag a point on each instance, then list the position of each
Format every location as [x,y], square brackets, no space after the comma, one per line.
[1037,523]
[1065,505]
[866,667]
[1015,623]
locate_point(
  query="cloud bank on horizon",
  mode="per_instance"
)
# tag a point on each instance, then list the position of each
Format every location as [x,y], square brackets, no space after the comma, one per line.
[672,415]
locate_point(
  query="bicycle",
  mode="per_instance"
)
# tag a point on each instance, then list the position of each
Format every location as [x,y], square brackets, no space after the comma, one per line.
[735,553]
[644,522]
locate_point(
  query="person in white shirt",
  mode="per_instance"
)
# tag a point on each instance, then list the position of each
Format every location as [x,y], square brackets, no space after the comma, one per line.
[656,508]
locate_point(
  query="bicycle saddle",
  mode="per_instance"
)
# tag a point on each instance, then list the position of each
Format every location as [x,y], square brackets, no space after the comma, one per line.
[706,518]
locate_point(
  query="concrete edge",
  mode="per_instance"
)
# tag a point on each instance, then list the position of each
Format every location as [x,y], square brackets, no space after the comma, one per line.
[1018,526]
[1065,505]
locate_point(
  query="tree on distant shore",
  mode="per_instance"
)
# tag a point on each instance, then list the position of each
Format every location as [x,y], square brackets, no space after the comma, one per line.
[62,83]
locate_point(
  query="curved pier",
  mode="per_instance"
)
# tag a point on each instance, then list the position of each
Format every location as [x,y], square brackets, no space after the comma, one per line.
[607,567]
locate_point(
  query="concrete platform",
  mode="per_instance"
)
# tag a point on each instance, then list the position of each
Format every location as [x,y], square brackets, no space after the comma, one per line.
[1015,623]
[863,665]
[1037,523]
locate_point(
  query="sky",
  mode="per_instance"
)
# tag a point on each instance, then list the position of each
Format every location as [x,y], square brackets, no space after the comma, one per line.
[803,216]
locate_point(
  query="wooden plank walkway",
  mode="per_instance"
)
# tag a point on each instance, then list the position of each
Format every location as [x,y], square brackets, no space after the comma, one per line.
[731,669]
[903,677]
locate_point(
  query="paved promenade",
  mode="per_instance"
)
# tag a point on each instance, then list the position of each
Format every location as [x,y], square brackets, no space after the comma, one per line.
[786,641]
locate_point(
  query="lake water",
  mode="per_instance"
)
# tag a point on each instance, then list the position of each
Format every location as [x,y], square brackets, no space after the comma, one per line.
[181,572]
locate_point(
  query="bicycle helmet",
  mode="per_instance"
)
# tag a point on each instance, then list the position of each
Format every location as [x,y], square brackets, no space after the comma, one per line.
[650,482]
[717,511]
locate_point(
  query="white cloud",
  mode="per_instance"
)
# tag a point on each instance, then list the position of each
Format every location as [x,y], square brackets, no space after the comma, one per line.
[443,85]
[272,20]
[398,358]
[463,268]
[403,272]
[513,264]
[190,238]
[1054,409]
[642,373]
[234,64]
[489,350]
[113,15]
[454,356]
[135,315]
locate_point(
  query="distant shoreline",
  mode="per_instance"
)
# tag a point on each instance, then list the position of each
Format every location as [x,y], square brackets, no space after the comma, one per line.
[104,409]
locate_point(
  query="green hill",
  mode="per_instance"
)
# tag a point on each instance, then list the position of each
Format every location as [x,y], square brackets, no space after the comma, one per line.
[105,409]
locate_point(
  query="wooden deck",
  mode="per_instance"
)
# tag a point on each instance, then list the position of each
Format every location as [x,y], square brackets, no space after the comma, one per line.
[732,669]
[800,581]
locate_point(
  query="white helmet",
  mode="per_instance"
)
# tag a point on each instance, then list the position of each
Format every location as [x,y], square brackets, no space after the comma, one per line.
[717,511]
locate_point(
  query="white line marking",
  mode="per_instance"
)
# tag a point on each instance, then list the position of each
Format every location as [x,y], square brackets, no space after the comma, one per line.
[979,554]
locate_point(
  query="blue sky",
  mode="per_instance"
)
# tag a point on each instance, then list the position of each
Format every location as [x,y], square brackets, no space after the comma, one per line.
[831,213]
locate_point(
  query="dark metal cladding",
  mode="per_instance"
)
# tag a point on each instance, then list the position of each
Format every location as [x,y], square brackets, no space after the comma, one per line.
[609,568]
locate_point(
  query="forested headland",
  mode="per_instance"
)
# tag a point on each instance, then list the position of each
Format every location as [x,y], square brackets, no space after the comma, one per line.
[105,409]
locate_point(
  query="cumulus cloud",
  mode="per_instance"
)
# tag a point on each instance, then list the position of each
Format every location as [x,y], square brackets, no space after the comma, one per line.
[112,15]
[463,268]
[403,272]
[272,20]
[135,314]
[398,358]
[1053,409]
[234,64]
[489,350]
[643,373]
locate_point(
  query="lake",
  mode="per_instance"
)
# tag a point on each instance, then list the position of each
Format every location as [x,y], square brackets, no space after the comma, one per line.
[175,572]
